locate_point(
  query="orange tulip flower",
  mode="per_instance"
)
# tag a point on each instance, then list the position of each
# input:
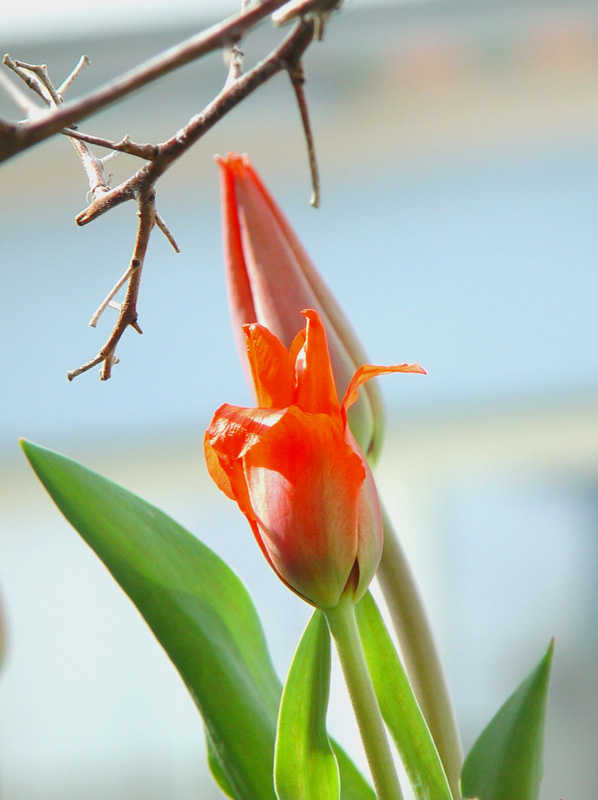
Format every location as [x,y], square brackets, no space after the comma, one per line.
[296,471]
[271,278]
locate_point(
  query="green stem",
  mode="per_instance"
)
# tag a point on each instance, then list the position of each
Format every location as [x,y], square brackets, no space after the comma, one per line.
[419,651]
[343,627]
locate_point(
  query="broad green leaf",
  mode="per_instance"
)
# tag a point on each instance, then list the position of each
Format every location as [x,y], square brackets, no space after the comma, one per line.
[201,614]
[399,707]
[305,766]
[197,608]
[505,763]
[216,768]
[353,785]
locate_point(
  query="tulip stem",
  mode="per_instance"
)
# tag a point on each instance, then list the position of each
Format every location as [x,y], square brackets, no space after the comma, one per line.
[419,651]
[343,628]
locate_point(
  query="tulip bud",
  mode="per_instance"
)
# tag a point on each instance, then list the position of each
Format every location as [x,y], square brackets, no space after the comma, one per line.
[296,471]
[270,279]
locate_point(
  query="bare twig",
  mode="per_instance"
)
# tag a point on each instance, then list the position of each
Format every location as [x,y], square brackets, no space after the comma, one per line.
[297,76]
[30,77]
[146,151]
[37,76]
[166,231]
[81,64]
[235,56]
[140,186]
[19,97]
[284,57]
[40,71]
[15,139]
[320,10]
[128,309]
[109,297]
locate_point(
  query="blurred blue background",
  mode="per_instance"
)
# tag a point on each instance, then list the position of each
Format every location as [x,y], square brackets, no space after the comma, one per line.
[458,145]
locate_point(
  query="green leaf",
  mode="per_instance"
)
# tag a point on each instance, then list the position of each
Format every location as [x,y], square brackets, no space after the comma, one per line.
[197,608]
[505,763]
[305,767]
[353,785]
[199,611]
[216,768]
[399,707]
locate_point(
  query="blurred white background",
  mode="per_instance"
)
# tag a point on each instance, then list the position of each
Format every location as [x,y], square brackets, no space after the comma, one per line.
[458,145]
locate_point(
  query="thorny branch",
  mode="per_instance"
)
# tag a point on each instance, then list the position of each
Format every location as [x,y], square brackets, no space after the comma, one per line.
[62,117]
[128,309]
[19,137]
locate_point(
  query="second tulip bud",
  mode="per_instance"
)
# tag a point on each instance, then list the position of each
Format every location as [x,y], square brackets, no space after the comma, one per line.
[271,279]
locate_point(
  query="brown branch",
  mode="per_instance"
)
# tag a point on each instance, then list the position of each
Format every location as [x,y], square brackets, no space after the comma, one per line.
[141,184]
[166,231]
[81,64]
[319,10]
[146,151]
[36,76]
[128,310]
[30,78]
[15,139]
[297,76]
[284,57]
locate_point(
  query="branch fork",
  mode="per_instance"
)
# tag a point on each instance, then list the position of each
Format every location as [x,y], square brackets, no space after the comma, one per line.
[61,117]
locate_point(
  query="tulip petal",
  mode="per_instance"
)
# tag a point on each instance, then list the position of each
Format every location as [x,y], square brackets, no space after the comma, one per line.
[217,473]
[278,287]
[232,432]
[316,390]
[296,345]
[304,483]
[270,278]
[370,541]
[369,371]
[237,280]
[272,370]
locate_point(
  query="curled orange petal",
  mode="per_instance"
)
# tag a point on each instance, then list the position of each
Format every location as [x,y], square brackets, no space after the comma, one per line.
[368,371]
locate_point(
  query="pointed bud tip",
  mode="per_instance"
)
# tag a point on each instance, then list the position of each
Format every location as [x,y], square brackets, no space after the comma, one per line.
[233,161]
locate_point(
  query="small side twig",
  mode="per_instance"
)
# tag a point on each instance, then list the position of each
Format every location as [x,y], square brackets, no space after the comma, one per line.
[159,157]
[320,10]
[79,66]
[36,76]
[235,54]
[128,309]
[22,100]
[145,151]
[283,57]
[297,76]
[166,231]
[15,139]
[95,317]
[29,74]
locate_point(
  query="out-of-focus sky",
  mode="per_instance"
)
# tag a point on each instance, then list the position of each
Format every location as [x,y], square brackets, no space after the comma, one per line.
[458,145]
[40,20]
